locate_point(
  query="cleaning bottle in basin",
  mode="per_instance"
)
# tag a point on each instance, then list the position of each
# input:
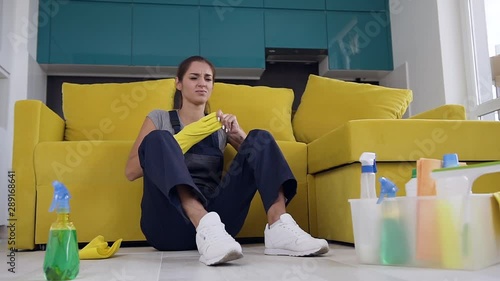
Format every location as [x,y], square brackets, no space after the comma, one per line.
[61,256]
[368,171]
[394,248]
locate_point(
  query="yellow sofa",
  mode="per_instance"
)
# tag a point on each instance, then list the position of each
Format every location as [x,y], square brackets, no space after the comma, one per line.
[334,148]
[87,151]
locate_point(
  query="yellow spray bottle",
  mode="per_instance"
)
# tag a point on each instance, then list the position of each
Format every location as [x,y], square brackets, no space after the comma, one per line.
[61,256]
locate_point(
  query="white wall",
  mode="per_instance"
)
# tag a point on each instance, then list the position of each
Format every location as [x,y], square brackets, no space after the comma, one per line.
[6,25]
[26,79]
[426,35]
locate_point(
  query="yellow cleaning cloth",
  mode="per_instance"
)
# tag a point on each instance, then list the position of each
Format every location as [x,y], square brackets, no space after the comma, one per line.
[99,249]
[428,246]
[197,131]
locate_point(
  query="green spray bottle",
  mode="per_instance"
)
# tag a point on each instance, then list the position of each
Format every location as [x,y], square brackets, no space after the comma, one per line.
[394,248]
[61,256]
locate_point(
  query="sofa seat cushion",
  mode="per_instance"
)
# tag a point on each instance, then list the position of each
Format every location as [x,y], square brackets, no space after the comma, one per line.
[405,140]
[328,103]
[112,111]
[105,203]
[257,107]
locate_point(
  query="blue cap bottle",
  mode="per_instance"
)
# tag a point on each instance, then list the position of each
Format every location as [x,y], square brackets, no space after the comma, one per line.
[61,261]
[394,248]
[450,160]
[368,171]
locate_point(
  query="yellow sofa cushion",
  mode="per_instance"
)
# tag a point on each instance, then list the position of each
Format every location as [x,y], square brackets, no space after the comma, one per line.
[444,112]
[404,140]
[112,111]
[328,103]
[256,107]
[103,202]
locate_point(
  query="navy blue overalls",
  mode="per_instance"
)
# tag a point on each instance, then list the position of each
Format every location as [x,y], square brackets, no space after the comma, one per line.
[258,165]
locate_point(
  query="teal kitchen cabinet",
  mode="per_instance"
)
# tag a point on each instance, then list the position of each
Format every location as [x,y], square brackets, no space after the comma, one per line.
[169,2]
[357,5]
[359,41]
[295,4]
[234,38]
[91,33]
[295,29]
[122,1]
[163,36]
[46,10]
[230,4]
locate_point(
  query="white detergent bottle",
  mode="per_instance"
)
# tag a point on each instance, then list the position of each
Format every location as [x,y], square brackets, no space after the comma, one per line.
[411,185]
[368,171]
[452,186]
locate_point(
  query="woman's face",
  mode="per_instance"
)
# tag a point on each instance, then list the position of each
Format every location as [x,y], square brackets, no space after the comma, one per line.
[197,84]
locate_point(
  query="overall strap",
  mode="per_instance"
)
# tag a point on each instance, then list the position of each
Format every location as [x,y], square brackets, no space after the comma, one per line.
[174,120]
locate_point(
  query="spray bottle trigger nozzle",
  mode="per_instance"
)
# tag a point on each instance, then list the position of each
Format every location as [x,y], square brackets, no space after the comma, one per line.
[61,197]
[387,188]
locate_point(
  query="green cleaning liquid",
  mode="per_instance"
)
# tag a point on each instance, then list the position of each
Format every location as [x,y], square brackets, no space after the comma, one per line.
[394,248]
[61,257]
[62,260]
[394,245]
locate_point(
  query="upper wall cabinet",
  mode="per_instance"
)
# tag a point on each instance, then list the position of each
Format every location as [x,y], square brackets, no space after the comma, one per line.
[357,5]
[159,38]
[123,1]
[234,38]
[295,4]
[359,41]
[230,4]
[173,2]
[46,10]
[295,29]
[91,33]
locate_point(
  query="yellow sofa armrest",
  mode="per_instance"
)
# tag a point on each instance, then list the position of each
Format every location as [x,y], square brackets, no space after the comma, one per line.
[404,140]
[34,122]
[446,112]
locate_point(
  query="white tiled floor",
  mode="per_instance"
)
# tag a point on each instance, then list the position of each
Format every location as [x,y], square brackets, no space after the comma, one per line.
[145,264]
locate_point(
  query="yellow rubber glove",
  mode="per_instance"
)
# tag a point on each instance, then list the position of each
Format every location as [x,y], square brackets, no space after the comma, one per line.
[197,131]
[99,249]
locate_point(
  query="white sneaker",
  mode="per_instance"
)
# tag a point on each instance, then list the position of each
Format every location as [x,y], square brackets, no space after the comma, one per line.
[286,238]
[214,244]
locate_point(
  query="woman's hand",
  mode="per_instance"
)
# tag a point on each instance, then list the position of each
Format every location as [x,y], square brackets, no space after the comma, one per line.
[233,130]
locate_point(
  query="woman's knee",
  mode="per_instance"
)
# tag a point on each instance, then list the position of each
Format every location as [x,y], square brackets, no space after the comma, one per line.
[260,133]
[260,137]
[158,135]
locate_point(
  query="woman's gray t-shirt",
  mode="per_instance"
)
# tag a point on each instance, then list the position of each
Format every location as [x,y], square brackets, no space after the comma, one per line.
[161,120]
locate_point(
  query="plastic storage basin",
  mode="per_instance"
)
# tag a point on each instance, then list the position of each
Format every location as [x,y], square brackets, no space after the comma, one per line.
[453,232]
